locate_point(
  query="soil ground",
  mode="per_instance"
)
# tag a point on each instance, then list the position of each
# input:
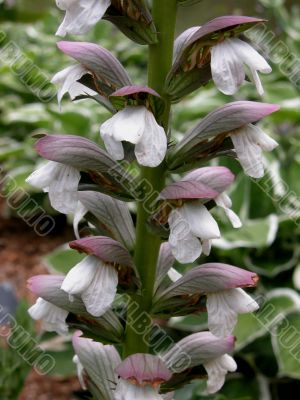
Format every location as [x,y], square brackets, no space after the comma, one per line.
[21,250]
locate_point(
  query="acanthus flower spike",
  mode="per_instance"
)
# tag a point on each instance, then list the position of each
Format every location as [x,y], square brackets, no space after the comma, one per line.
[95,278]
[191,220]
[206,349]
[53,317]
[234,120]
[48,288]
[61,182]
[221,284]
[67,81]
[135,122]
[107,72]
[227,65]
[192,52]
[84,155]
[98,364]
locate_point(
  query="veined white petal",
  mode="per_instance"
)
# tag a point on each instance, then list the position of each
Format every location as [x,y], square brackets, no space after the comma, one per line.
[81,15]
[206,246]
[250,56]
[200,220]
[249,142]
[174,275]
[227,65]
[63,189]
[113,147]
[128,124]
[223,308]
[100,294]
[42,177]
[217,370]
[263,140]
[257,82]
[53,318]
[80,369]
[227,68]
[152,147]
[224,201]
[248,153]
[137,125]
[67,82]
[80,277]
[128,391]
[184,244]
[80,212]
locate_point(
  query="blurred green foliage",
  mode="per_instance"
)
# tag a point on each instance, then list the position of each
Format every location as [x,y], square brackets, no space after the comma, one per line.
[268,243]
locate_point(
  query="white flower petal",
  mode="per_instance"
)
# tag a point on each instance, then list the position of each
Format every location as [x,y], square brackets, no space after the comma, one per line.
[227,68]
[63,189]
[128,391]
[223,308]
[200,220]
[137,125]
[174,275]
[80,277]
[81,15]
[113,147]
[78,215]
[54,318]
[100,294]
[250,56]
[152,147]
[217,370]
[206,246]
[263,140]
[184,244]
[224,201]
[42,177]
[67,82]
[248,153]
[227,65]
[128,124]
[80,369]
[248,143]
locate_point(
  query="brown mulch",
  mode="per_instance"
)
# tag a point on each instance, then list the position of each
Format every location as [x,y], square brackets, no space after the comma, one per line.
[21,250]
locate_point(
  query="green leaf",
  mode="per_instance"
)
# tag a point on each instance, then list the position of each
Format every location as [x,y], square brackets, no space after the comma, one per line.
[256,233]
[276,304]
[62,259]
[286,346]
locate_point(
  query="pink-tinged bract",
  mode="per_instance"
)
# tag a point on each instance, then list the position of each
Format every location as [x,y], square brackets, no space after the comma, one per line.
[144,369]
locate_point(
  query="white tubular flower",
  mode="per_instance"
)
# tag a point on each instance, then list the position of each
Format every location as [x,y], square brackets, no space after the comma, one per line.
[249,142]
[53,318]
[227,65]
[188,224]
[140,377]
[61,182]
[216,370]
[81,15]
[95,282]
[67,81]
[137,125]
[223,308]
[224,201]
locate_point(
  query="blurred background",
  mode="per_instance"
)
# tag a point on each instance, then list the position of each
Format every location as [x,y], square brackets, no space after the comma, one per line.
[268,344]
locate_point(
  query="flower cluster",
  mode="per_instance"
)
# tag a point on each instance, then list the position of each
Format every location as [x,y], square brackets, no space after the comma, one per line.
[93,184]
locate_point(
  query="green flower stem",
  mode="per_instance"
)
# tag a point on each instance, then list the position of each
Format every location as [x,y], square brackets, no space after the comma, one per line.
[147,243]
